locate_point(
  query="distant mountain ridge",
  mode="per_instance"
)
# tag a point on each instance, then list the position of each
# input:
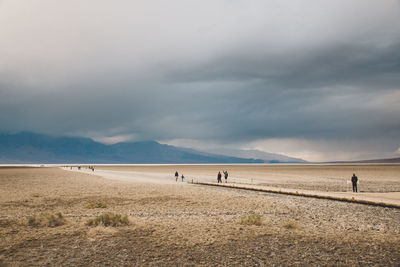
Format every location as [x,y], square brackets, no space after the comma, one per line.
[373,161]
[257,154]
[34,148]
[27,148]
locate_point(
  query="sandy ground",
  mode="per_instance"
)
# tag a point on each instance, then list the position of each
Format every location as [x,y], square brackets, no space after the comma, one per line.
[188,225]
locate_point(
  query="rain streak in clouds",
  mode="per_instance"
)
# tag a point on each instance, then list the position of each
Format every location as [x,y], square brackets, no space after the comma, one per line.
[315,79]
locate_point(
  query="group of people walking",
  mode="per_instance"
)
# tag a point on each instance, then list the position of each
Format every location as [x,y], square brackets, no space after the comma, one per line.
[219,177]
[354,178]
[79,167]
[177,176]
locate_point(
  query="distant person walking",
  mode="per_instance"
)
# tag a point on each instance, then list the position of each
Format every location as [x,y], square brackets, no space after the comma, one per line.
[354,181]
[219,177]
[176,176]
[226,176]
[183,177]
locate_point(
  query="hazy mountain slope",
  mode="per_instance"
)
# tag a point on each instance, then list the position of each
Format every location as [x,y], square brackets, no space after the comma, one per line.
[39,148]
[377,161]
[257,154]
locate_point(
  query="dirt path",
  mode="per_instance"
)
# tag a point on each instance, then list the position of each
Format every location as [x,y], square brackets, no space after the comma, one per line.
[390,198]
[131,176]
[144,176]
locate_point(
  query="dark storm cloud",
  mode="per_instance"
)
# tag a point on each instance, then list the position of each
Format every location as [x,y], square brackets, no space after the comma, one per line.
[221,72]
[335,64]
[325,93]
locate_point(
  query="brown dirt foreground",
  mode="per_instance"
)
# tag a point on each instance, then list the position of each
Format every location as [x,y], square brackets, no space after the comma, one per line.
[184,225]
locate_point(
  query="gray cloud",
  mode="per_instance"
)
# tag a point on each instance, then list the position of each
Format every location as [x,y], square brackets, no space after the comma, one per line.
[232,73]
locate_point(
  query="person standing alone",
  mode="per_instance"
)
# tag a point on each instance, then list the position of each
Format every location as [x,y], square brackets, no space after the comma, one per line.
[176,176]
[354,181]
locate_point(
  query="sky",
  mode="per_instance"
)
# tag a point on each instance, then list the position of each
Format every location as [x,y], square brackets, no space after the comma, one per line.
[316,79]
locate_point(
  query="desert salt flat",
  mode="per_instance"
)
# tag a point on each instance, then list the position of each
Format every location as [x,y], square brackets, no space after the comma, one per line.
[181,224]
[373,178]
[147,176]
[131,176]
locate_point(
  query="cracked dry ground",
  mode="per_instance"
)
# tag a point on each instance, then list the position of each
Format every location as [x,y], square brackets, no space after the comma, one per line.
[184,225]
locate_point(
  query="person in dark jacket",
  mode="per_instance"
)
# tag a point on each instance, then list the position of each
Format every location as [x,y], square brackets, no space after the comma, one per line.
[354,181]
[226,176]
[219,177]
[176,176]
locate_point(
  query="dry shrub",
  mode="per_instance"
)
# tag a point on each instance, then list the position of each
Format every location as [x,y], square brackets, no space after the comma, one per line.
[290,225]
[109,219]
[35,195]
[47,219]
[252,219]
[96,205]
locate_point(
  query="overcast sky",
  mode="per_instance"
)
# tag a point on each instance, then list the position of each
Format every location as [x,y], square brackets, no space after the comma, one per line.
[317,79]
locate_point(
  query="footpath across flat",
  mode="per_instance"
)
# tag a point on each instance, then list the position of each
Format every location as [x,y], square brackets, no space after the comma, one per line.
[390,200]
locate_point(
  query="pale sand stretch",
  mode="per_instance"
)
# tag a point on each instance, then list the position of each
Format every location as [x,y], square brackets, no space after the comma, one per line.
[131,176]
[331,178]
[144,175]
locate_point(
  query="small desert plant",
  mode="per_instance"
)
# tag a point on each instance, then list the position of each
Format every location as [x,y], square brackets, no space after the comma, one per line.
[47,219]
[96,205]
[36,195]
[32,220]
[252,219]
[290,225]
[109,219]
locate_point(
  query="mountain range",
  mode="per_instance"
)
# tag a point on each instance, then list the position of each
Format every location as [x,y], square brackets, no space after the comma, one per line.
[28,148]
[257,154]
[369,161]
